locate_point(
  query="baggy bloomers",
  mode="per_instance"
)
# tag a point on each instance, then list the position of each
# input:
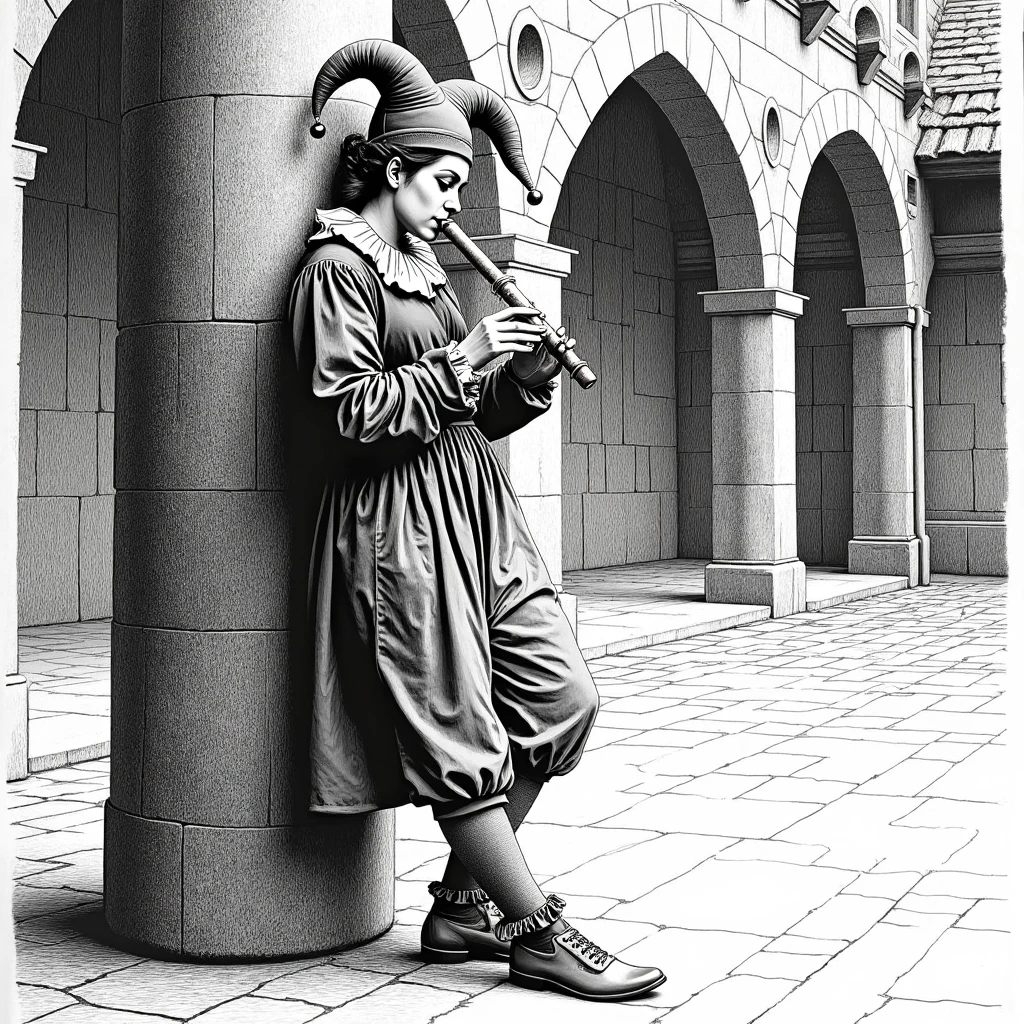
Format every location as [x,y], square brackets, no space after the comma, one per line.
[443,663]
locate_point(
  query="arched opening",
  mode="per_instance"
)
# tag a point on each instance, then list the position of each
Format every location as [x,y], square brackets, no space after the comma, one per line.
[828,269]
[636,462]
[72,106]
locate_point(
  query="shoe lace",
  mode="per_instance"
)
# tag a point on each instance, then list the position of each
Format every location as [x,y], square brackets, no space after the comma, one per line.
[589,950]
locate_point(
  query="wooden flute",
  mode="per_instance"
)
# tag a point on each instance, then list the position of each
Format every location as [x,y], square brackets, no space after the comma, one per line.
[504,286]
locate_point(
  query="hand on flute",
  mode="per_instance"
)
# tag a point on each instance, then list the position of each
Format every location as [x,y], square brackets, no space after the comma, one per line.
[500,333]
[540,365]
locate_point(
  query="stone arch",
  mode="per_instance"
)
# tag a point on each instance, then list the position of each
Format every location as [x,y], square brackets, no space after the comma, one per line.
[844,127]
[671,56]
[36,19]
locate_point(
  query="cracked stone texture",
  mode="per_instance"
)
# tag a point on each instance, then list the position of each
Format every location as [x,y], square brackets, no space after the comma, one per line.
[799,819]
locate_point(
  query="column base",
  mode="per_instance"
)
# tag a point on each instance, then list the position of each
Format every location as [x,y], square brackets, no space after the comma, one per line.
[895,557]
[15,714]
[211,893]
[783,586]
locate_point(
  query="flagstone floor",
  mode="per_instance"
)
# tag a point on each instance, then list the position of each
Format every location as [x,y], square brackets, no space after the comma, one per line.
[798,819]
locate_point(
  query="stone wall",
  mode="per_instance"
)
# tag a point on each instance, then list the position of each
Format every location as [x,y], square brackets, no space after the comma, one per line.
[965,387]
[619,454]
[69,299]
[828,272]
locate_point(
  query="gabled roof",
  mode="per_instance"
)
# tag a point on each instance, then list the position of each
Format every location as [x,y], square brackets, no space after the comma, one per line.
[964,73]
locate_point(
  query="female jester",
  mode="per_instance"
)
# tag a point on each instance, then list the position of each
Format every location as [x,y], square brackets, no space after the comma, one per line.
[445,671]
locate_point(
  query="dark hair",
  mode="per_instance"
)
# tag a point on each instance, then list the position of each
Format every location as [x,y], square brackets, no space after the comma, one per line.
[361,167]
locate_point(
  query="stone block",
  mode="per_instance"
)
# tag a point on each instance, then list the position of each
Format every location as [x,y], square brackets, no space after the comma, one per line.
[194,423]
[753,438]
[61,170]
[68,65]
[628,298]
[166,251]
[584,205]
[949,427]
[808,480]
[202,559]
[607,283]
[96,556]
[624,217]
[684,378]
[611,383]
[643,533]
[585,416]
[986,304]
[253,270]
[43,377]
[782,587]
[949,481]
[277,399]
[948,549]
[701,477]
[754,522]
[931,374]
[27,452]
[142,876]
[105,453]
[654,355]
[92,263]
[127,724]
[575,476]
[990,425]
[695,533]
[643,468]
[47,560]
[66,454]
[45,262]
[141,62]
[947,304]
[83,364]
[108,338]
[836,534]
[572,532]
[808,535]
[986,551]
[222,50]
[605,525]
[15,725]
[653,252]
[646,292]
[207,751]
[990,481]
[606,210]
[596,461]
[804,428]
[664,466]
[110,60]
[971,374]
[886,558]
[881,366]
[620,468]
[649,421]
[669,525]
[753,353]
[804,374]
[267,892]
[700,381]
[694,426]
[833,374]
[883,514]
[882,449]
[836,480]
[103,165]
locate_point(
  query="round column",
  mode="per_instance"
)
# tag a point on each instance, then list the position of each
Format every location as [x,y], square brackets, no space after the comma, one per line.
[209,849]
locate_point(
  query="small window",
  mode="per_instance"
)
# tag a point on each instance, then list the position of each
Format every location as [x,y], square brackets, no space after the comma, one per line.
[906,14]
[912,191]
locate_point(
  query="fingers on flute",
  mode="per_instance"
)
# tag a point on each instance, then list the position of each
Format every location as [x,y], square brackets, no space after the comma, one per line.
[513,311]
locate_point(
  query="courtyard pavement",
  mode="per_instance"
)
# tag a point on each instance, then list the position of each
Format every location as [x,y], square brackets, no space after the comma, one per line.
[798,819]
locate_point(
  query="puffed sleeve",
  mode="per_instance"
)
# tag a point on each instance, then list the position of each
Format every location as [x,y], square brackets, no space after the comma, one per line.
[335,310]
[505,405]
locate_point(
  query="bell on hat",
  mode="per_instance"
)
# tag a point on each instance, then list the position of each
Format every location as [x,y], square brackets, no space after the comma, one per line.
[415,111]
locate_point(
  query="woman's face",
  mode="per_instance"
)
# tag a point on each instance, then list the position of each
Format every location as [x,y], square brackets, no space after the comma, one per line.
[430,195]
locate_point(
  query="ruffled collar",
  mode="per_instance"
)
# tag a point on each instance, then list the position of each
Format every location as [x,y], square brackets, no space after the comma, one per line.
[413,268]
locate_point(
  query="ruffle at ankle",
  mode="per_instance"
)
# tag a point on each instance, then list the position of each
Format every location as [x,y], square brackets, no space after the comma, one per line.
[473,897]
[550,912]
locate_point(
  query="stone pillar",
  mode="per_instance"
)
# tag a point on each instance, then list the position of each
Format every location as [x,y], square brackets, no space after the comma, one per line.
[209,848]
[883,443]
[15,706]
[753,430]
[533,455]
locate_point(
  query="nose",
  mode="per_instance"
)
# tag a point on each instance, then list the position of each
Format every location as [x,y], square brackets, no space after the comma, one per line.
[453,205]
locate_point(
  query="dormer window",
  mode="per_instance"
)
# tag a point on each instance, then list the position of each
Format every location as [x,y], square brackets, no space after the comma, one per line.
[871,50]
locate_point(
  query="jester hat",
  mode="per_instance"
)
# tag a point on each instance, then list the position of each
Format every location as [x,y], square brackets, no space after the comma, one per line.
[415,111]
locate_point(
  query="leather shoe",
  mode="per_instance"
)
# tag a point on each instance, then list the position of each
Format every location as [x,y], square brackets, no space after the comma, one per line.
[444,940]
[573,964]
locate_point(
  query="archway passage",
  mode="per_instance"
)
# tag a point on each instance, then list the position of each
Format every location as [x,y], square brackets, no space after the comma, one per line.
[630,205]
[828,269]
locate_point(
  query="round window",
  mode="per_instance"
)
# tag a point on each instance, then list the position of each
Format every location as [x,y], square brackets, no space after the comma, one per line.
[772,133]
[529,54]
